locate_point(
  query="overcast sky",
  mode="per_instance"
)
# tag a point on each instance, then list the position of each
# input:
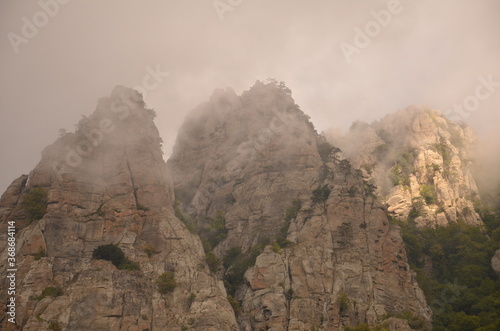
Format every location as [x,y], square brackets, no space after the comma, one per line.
[429,52]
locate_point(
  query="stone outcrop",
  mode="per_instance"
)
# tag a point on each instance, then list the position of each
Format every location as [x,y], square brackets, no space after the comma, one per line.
[421,163]
[106,183]
[250,171]
[247,156]
[257,159]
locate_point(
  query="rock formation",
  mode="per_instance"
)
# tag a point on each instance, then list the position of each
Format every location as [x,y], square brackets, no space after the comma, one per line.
[335,260]
[304,242]
[421,163]
[106,183]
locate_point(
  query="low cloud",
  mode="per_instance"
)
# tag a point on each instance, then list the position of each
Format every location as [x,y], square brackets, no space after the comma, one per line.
[431,53]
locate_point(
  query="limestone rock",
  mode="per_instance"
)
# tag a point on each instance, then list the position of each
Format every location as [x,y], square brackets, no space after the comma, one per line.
[420,162]
[331,258]
[107,183]
[252,157]
[255,153]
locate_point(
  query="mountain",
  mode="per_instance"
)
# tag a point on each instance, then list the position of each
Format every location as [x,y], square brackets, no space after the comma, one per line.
[106,184]
[255,222]
[334,258]
[421,163]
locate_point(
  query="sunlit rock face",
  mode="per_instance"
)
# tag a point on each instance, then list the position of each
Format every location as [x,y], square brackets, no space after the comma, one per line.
[255,158]
[107,183]
[421,164]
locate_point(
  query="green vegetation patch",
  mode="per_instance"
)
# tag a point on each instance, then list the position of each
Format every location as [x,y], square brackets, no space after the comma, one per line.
[211,233]
[404,166]
[290,214]
[453,266]
[190,224]
[344,302]
[149,250]
[114,254]
[235,304]
[428,192]
[54,326]
[141,207]
[395,175]
[237,263]
[325,149]
[41,253]
[166,283]
[35,203]
[321,194]
[212,261]
[50,291]
[215,231]
[445,152]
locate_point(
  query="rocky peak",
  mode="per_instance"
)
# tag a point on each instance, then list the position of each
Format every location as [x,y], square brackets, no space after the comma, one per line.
[106,184]
[321,253]
[261,135]
[252,201]
[421,163]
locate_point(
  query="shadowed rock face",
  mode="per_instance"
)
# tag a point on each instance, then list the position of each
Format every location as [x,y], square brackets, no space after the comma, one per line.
[421,164]
[251,157]
[107,183]
[248,156]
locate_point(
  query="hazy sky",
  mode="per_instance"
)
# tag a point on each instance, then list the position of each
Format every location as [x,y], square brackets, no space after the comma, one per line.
[429,52]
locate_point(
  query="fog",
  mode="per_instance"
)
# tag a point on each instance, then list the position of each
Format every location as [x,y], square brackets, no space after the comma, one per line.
[425,52]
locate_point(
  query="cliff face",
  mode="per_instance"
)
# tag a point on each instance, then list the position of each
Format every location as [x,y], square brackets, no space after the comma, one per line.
[304,242]
[247,156]
[335,259]
[421,164]
[106,184]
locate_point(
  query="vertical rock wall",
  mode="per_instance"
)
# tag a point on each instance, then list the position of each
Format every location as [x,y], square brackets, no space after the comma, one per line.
[108,184]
